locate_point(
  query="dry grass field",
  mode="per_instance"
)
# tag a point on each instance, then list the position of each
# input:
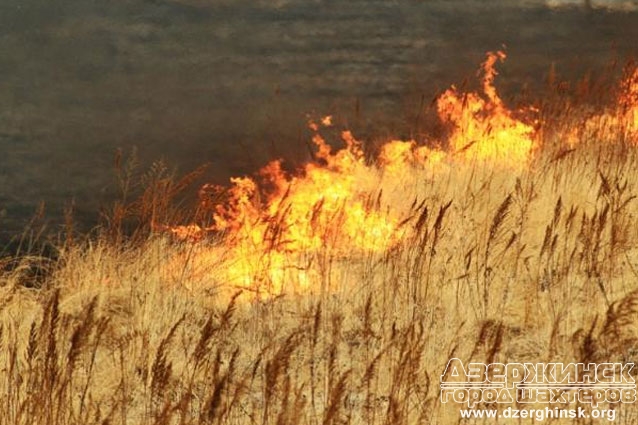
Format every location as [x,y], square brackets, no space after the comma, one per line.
[336,293]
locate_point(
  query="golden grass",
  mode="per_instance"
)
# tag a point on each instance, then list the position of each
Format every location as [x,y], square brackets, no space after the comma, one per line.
[532,264]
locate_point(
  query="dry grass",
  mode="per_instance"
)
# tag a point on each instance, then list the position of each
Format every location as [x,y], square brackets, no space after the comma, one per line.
[536,265]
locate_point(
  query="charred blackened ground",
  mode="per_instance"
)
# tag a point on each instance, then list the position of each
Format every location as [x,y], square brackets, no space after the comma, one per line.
[232,82]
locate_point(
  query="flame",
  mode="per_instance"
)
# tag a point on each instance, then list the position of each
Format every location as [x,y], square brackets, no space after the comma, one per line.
[275,225]
[628,103]
[301,210]
[618,122]
[484,129]
[324,207]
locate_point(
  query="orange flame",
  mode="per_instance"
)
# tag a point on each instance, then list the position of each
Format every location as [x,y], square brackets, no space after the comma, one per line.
[324,207]
[628,101]
[615,123]
[484,129]
[273,226]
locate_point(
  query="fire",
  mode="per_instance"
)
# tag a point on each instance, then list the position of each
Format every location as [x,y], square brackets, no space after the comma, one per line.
[628,103]
[276,225]
[618,122]
[326,206]
[300,212]
[273,224]
[484,128]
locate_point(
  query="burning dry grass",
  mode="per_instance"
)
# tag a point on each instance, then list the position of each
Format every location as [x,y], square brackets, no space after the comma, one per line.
[338,295]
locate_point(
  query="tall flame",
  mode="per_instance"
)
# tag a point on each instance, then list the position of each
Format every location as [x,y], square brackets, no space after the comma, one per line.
[274,225]
[617,122]
[628,102]
[484,128]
